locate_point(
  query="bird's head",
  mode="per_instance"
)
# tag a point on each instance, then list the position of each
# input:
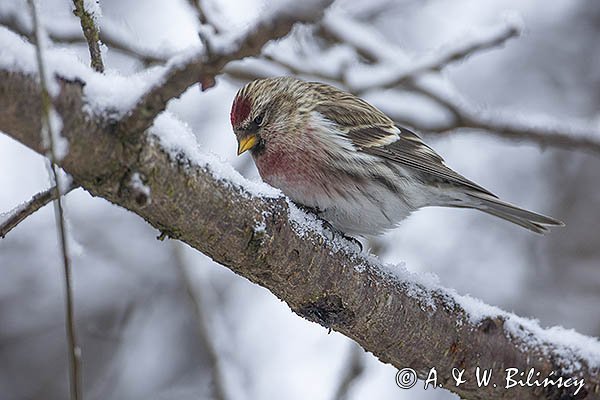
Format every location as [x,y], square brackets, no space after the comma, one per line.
[264,109]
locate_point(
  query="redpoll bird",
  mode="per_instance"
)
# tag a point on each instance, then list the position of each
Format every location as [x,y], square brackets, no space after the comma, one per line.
[333,152]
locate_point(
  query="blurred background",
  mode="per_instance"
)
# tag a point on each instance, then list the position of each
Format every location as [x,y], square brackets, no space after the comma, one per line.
[158,320]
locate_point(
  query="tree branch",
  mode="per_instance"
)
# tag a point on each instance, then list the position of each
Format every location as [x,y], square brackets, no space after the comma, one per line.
[21,212]
[107,35]
[181,74]
[401,318]
[545,133]
[91,33]
[199,6]
[493,37]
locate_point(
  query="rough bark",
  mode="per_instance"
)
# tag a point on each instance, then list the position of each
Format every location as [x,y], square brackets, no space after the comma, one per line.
[338,289]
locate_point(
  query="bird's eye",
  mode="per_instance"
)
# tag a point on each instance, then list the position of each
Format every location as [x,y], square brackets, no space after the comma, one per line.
[258,120]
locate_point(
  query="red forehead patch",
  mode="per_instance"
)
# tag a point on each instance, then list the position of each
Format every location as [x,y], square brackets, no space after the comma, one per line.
[239,110]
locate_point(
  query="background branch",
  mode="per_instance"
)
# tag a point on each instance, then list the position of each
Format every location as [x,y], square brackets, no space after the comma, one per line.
[451,53]
[352,369]
[49,138]
[204,333]
[376,51]
[544,133]
[199,6]
[21,212]
[91,33]
[108,35]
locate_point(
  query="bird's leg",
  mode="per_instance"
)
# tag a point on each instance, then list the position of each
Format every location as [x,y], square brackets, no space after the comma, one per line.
[307,209]
[354,240]
[335,231]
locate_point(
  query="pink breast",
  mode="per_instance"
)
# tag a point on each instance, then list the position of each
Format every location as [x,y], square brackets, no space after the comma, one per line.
[289,170]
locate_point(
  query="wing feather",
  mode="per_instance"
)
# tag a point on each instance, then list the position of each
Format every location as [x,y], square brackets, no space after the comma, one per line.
[412,152]
[374,133]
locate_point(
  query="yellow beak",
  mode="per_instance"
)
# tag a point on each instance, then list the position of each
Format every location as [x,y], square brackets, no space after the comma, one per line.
[246,143]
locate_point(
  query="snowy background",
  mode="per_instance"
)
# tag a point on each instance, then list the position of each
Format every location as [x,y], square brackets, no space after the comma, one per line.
[138,327]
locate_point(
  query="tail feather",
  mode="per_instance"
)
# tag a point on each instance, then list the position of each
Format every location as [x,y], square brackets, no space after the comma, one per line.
[535,222]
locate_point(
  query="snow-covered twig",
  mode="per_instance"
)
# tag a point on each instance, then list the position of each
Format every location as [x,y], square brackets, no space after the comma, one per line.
[49,142]
[199,6]
[377,50]
[394,76]
[14,217]
[110,35]
[88,11]
[206,33]
[184,71]
[366,41]
[544,131]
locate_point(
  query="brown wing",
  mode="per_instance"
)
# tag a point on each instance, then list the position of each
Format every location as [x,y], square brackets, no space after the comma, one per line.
[372,132]
[409,150]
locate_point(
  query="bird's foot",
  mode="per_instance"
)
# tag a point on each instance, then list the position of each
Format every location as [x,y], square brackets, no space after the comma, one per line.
[330,228]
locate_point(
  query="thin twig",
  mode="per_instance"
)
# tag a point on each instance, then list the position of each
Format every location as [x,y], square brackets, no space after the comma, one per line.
[206,32]
[48,136]
[300,70]
[461,51]
[352,371]
[199,6]
[366,44]
[218,387]
[107,35]
[91,33]
[550,133]
[20,213]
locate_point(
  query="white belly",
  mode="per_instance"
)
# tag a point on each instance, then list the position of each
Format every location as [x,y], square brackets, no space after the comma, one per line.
[364,210]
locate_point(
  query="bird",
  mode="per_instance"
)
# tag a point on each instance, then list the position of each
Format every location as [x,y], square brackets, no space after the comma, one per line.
[334,153]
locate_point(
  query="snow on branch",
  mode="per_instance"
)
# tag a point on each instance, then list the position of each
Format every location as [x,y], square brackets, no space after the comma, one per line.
[184,71]
[368,42]
[391,75]
[542,130]
[199,7]
[405,319]
[111,34]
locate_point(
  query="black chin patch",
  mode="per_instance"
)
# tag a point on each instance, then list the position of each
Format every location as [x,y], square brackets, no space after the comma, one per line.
[259,147]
